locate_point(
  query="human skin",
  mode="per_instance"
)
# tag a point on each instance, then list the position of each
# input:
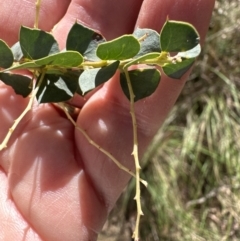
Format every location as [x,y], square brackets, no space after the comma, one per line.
[53,184]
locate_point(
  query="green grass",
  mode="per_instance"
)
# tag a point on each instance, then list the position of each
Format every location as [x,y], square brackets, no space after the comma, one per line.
[193,164]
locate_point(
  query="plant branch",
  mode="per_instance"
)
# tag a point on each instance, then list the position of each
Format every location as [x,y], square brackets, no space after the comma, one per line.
[38,3]
[136,158]
[64,108]
[97,64]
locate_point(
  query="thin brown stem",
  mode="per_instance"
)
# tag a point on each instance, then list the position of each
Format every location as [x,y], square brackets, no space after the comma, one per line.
[38,4]
[64,108]
[136,158]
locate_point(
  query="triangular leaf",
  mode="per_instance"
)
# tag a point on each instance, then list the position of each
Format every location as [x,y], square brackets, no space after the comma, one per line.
[91,78]
[84,40]
[177,70]
[6,55]
[144,82]
[36,44]
[56,89]
[178,36]
[124,47]
[64,59]
[21,84]
[150,42]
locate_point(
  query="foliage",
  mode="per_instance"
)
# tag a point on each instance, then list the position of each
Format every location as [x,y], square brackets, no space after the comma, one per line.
[94,60]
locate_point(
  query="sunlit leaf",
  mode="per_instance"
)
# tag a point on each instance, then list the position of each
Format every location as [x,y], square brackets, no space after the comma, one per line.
[64,59]
[56,89]
[149,41]
[91,78]
[124,47]
[27,65]
[84,40]
[20,83]
[6,55]
[177,70]
[144,82]
[36,44]
[178,36]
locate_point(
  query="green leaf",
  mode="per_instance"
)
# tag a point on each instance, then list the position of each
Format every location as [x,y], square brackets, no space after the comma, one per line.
[64,59]
[84,40]
[178,37]
[36,44]
[21,84]
[56,89]
[177,70]
[6,55]
[150,42]
[91,78]
[27,65]
[124,47]
[144,82]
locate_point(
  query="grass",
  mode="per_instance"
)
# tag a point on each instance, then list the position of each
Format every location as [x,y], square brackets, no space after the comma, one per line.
[193,164]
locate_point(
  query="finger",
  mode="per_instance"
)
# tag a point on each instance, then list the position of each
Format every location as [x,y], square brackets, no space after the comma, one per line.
[153,14]
[110,18]
[15,13]
[106,115]
[198,13]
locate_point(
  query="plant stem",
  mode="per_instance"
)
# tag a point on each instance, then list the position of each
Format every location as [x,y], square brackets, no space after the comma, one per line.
[38,3]
[64,108]
[17,121]
[97,64]
[136,158]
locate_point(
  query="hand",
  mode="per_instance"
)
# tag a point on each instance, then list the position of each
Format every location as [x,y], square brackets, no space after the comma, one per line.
[54,184]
